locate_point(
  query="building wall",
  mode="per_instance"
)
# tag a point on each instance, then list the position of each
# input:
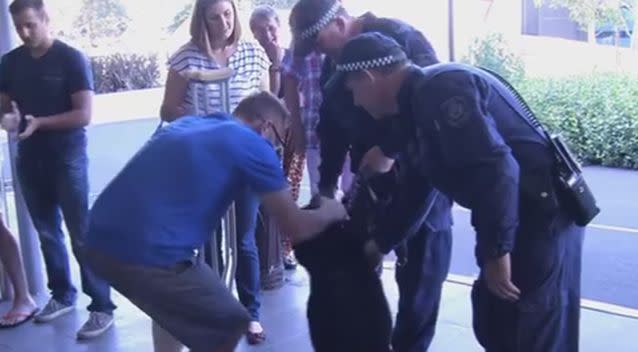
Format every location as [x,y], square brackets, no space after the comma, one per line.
[547,52]
[557,57]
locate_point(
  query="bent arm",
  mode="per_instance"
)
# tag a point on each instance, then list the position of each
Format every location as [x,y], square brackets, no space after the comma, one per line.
[80,85]
[301,225]
[174,95]
[78,116]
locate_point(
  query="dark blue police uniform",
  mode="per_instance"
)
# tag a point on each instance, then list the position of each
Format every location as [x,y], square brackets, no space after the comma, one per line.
[342,126]
[466,136]
[475,147]
[345,128]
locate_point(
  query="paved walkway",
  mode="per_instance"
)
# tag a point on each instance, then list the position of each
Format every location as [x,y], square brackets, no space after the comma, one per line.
[284,319]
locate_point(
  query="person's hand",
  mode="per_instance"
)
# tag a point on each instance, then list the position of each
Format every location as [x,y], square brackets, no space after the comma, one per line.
[333,209]
[274,53]
[11,120]
[33,125]
[374,161]
[498,275]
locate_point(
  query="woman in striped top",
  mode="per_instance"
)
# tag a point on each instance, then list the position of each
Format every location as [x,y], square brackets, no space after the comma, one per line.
[216,43]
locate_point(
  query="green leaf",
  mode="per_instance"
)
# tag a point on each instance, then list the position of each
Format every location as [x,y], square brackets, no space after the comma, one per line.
[597,113]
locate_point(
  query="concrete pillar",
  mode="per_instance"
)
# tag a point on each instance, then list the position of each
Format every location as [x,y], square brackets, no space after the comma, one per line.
[29,243]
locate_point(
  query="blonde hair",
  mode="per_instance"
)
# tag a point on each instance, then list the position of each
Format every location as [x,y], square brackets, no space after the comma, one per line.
[200,35]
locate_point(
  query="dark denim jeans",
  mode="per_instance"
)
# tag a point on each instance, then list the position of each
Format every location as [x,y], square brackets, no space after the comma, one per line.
[59,181]
[247,276]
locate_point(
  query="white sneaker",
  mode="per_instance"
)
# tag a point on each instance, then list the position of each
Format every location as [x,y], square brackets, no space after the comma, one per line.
[97,324]
[52,310]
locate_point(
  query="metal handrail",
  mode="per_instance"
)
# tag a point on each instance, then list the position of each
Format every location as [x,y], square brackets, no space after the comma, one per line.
[230,247]
[229,223]
[4,185]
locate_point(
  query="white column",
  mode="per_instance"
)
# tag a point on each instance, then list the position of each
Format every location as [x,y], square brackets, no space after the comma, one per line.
[29,243]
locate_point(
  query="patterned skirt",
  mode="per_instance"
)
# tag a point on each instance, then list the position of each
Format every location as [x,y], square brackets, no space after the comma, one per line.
[293,164]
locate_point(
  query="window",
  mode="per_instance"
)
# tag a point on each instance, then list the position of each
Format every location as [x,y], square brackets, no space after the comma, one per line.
[550,22]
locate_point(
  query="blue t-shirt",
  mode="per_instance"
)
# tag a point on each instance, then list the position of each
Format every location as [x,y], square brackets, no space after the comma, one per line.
[166,201]
[43,87]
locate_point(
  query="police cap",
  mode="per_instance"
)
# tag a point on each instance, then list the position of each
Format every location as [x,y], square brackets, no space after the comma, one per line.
[368,51]
[307,19]
[365,51]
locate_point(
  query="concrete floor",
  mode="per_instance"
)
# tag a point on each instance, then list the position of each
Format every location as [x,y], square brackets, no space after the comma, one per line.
[284,319]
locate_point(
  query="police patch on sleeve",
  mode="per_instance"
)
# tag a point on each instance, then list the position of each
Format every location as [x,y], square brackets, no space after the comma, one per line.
[455,111]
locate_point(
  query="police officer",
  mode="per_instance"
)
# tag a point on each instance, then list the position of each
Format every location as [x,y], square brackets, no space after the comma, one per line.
[463,132]
[324,25]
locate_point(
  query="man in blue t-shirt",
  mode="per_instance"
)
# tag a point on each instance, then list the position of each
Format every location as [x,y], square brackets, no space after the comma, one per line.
[48,86]
[147,224]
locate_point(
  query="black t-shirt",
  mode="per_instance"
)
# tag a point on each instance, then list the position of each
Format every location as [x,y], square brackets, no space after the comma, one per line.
[43,87]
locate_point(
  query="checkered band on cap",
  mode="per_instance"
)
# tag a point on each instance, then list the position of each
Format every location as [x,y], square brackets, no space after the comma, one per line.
[322,22]
[368,64]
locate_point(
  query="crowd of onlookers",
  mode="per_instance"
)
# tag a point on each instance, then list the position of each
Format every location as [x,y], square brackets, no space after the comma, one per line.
[216,41]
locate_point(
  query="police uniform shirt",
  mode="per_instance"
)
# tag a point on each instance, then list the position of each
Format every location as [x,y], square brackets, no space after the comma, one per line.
[346,127]
[454,141]
[413,196]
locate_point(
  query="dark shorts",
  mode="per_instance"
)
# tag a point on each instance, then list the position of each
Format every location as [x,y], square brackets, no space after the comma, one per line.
[189,300]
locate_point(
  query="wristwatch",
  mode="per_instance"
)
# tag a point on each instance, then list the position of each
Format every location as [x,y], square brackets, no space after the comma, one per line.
[274,68]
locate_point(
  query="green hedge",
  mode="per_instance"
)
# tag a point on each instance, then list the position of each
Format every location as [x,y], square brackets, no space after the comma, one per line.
[597,113]
[121,72]
[492,51]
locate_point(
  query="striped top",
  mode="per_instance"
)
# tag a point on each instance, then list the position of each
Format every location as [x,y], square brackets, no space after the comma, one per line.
[249,63]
